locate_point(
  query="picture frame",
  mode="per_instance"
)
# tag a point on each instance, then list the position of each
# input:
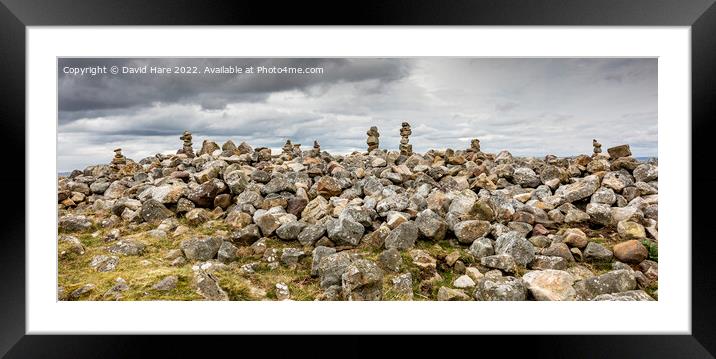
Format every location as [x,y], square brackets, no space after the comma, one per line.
[15,16]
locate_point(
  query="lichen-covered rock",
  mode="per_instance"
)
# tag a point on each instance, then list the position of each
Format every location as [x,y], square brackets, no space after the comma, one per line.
[517,247]
[611,282]
[468,231]
[201,249]
[500,289]
[344,231]
[362,280]
[402,237]
[550,284]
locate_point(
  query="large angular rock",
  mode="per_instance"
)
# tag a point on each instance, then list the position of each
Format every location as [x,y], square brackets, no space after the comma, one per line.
[328,187]
[310,234]
[468,231]
[503,262]
[362,280]
[619,151]
[526,177]
[344,231]
[581,189]
[331,268]
[290,231]
[481,247]
[74,223]
[153,210]
[519,248]
[315,210]
[201,249]
[127,247]
[318,253]
[500,289]
[646,173]
[431,225]
[550,284]
[204,194]
[402,237]
[615,281]
[597,253]
[237,181]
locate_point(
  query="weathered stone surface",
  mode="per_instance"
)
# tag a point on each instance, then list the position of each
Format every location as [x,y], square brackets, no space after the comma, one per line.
[344,231]
[449,294]
[607,283]
[201,249]
[468,231]
[513,244]
[500,289]
[431,225]
[362,280]
[481,247]
[581,189]
[619,151]
[630,251]
[74,223]
[403,237]
[550,284]
[597,253]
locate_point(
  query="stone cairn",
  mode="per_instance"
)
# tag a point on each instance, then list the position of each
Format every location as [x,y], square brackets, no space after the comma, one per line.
[372,138]
[186,148]
[118,159]
[316,149]
[287,150]
[296,150]
[405,148]
[597,147]
[474,145]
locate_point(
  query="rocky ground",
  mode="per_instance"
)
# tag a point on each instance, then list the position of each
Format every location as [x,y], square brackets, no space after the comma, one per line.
[240,223]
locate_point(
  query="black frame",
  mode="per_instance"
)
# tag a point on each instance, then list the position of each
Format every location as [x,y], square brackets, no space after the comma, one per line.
[15,15]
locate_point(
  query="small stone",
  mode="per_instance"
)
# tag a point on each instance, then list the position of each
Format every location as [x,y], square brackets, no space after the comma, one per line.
[631,230]
[103,263]
[282,292]
[630,251]
[574,237]
[597,253]
[449,294]
[166,284]
[463,281]
[390,260]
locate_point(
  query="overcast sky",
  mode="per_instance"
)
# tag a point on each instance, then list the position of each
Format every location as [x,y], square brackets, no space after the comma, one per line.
[531,107]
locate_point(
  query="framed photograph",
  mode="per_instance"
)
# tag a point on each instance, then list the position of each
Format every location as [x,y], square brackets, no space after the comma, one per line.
[318,179]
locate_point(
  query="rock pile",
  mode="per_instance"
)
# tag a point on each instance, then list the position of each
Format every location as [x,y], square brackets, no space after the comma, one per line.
[376,225]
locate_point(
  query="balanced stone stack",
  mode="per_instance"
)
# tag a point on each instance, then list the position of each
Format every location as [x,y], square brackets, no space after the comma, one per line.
[187,148]
[405,132]
[597,147]
[296,152]
[366,226]
[287,148]
[474,145]
[316,149]
[373,140]
[118,159]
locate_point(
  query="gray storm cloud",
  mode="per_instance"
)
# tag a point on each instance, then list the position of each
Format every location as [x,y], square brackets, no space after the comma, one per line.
[530,107]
